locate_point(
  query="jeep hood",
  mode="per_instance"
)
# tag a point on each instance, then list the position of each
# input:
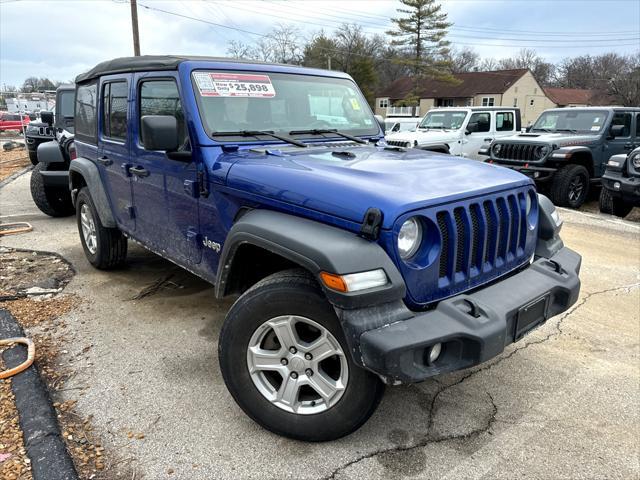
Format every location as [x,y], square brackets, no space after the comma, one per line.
[345,182]
[561,139]
[424,136]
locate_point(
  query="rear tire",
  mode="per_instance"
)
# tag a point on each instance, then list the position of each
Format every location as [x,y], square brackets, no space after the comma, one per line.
[105,248]
[293,299]
[33,156]
[52,201]
[570,186]
[612,205]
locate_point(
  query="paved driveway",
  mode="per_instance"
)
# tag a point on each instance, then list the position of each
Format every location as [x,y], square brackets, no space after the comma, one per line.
[562,403]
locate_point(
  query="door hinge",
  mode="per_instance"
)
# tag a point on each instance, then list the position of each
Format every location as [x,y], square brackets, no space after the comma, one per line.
[370,227]
[131,211]
[202,184]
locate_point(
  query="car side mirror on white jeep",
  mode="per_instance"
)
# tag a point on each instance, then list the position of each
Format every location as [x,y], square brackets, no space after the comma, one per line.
[471,128]
[159,132]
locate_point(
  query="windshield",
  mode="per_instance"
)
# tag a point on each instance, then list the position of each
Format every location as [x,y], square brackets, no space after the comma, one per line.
[452,120]
[280,103]
[400,126]
[570,120]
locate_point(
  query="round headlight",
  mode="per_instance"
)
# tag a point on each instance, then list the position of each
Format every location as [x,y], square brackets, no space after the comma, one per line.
[635,161]
[409,238]
[496,149]
[544,151]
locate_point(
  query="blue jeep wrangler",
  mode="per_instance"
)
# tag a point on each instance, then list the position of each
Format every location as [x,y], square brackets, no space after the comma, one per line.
[355,264]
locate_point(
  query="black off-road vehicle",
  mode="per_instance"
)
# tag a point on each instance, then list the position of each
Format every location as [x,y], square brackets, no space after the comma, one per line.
[37,132]
[621,184]
[50,176]
[567,148]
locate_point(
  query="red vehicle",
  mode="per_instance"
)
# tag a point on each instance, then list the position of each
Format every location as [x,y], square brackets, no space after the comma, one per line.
[13,121]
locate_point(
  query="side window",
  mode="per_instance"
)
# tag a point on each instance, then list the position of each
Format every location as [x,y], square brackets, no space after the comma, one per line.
[504,121]
[114,110]
[638,125]
[483,121]
[85,112]
[160,97]
[623,119]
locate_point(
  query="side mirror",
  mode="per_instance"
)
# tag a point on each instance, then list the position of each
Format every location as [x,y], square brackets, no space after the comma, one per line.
[47,117]
[159,132]
[381,123]
[528,129]
[616,131]
[471,128]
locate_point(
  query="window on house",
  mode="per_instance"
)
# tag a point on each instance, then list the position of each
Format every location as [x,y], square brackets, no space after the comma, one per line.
[445,102]
[383,102]
[504,121]
[469,102]
[488,101]
[114,110]
[535,91]
[515,102]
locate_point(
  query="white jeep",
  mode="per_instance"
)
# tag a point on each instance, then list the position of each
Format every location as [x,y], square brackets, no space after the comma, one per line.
[462,130]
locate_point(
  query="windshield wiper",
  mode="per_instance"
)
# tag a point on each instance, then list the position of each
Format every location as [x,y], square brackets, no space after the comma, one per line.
[570,130]
[320,131]
[255,133]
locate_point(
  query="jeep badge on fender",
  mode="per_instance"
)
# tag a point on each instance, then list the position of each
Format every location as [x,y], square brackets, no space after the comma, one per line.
[356,265]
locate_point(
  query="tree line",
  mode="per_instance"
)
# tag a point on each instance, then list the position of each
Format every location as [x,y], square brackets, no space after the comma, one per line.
[416,46]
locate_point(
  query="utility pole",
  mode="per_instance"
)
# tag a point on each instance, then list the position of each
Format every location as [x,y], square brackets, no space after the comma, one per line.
[329,63]
[134,26]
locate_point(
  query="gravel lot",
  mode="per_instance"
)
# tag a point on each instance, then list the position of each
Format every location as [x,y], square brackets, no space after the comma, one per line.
[562,403]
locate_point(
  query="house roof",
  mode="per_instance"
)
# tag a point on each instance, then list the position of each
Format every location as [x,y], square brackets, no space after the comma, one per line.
[576,96]
[469,84]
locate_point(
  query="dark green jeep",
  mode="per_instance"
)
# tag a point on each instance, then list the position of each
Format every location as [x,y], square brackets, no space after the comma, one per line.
[567,149]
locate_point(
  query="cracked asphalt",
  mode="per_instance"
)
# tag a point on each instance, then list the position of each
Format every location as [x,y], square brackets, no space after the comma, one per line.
[562,403]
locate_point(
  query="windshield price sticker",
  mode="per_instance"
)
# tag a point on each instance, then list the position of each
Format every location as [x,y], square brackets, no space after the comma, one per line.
[234,85]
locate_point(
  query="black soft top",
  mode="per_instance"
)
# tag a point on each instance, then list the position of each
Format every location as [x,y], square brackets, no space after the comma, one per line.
[150,62]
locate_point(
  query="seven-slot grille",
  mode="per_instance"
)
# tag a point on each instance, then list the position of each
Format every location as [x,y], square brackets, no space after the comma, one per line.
[482,236]
[519,151]
[399,143]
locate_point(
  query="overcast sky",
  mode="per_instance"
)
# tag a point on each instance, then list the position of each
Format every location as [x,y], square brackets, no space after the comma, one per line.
[61,38]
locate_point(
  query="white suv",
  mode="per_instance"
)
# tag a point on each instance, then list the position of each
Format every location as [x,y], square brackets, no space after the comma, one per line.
[464,130]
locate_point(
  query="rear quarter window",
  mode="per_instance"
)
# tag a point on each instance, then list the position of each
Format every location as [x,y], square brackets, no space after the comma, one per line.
[86,112]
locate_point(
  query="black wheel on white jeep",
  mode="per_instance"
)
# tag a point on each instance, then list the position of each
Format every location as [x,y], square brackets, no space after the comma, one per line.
[105,248]
[284,359]
[570,186]
[33,156]
[52,201]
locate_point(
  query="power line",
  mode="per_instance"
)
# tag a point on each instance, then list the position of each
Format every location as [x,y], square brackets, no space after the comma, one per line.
[242,30]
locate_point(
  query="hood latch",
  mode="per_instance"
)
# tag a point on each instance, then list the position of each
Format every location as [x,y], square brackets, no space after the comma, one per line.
[370,227]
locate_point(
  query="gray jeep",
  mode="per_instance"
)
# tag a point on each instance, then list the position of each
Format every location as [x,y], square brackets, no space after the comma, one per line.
[50,176]
[566,149]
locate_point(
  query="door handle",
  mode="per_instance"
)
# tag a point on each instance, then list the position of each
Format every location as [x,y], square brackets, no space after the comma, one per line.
[139,171]
[628,146]
[104,160]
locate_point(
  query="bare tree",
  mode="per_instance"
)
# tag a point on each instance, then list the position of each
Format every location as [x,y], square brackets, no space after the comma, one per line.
[527,58]
[463,60]
[237,49]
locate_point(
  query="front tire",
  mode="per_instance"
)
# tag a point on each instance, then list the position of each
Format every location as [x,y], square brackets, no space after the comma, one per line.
[612,205]
[33,156]
[105,248]
[52,201]
[570,186]
[285,361]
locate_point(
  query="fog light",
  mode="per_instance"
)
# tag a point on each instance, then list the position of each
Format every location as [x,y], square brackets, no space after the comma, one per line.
[434,353]
[616,185]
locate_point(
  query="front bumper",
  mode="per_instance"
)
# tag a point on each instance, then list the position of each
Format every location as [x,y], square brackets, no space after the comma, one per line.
[472,327]
[626,188]
[539,174]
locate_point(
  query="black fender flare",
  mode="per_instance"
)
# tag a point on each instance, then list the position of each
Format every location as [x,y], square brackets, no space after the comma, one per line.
[436,147]
[50,152]
[86,169]
[317,247]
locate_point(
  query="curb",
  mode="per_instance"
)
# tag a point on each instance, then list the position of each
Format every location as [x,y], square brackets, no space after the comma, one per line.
[15,175]
[43,441]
